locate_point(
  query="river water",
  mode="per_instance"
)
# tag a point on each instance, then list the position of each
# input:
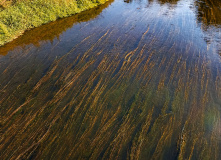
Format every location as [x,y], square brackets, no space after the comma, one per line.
[133,79]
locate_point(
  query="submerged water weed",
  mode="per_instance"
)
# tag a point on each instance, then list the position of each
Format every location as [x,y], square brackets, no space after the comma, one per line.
[24,15]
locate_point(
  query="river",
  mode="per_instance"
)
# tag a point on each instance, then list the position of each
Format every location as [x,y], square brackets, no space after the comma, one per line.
[133,79]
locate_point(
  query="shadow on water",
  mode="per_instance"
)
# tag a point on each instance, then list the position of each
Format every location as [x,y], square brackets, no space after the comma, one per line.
[52,30]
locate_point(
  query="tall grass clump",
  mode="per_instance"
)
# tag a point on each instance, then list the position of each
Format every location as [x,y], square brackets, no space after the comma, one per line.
[23,15]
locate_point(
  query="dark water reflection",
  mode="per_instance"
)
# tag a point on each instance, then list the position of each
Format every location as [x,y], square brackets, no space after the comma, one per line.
[136,80]
[208,14]
[158,1]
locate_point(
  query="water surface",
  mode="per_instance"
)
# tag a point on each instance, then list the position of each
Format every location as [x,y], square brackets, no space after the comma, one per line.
[133,79]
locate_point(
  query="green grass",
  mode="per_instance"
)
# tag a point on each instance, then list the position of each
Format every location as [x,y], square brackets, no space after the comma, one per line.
[24,15]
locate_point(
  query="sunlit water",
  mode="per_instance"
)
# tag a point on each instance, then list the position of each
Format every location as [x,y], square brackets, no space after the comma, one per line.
[127,80]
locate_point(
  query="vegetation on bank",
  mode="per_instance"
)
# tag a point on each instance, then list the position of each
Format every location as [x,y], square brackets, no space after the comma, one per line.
[19,16]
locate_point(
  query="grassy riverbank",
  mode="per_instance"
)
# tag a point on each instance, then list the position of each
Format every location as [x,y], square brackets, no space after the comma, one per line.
[23,15]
